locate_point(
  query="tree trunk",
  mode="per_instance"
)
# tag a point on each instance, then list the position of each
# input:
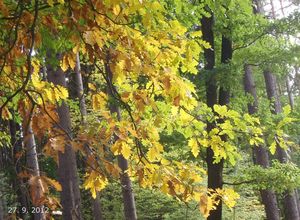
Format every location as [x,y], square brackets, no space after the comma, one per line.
[37,188]
[17,183]
[97,212]
[214,171]
[80,95]
[290,202]
[127,192]
[226,56]
[289,91]
[1,209]
[260,153]
[67,167]
[79,87]
[297,78]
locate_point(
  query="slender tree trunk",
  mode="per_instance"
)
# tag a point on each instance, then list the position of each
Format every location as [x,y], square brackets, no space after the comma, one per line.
[18,184]
[79,87]
[33,165]
[214,170]
[290,201]
[289,91]
[127,192]
[2,168]
[297,78]
[272,9]
[1,209]
[260,153]
[226,56]
[97,212]
[67,167]
[80,94]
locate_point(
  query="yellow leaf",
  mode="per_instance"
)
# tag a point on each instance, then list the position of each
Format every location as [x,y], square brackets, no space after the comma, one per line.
[71,61]
[220,109]
[126,150]
[205,205]
[196,34]
[60,93]
[50,2]
[165,188]
[177,27]
[53,183]
[204,142]
[95,183]
[49,95]
[36,66]
[36,82]
[92,87]
[99,101]
[165,161]
[116,148]
[286,110]
[229,197]
[64,94]
[116,9]
[193,144]
[64,64]
[273,148]
[152,154]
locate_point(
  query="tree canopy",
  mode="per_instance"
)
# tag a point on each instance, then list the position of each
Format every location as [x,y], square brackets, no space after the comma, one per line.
[109,92]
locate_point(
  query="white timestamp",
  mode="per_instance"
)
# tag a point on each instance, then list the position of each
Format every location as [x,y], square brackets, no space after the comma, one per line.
[32,210]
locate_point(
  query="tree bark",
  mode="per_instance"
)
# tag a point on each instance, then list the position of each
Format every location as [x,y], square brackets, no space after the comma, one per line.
[290,201]
[1,210]
[297,78]
[97,213]
[289,91]
[33,166]
[67,167]
[214,170]
[260,153]
[17,183]
[127,192]
[79,87]
[226,56]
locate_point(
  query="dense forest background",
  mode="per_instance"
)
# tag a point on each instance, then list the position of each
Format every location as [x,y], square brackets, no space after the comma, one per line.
[144,109]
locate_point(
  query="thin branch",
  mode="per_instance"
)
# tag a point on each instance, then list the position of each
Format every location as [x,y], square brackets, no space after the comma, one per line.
[251,42]
[240,183]
[48,114]
[29,66]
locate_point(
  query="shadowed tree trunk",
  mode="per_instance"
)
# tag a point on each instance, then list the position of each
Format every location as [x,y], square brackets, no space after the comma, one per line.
[97,214]
[226,56]
[67,167]
[224,96]
[290,201]
[1,210]
[17,183]
[127,191]
[260,153]
[214,170]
